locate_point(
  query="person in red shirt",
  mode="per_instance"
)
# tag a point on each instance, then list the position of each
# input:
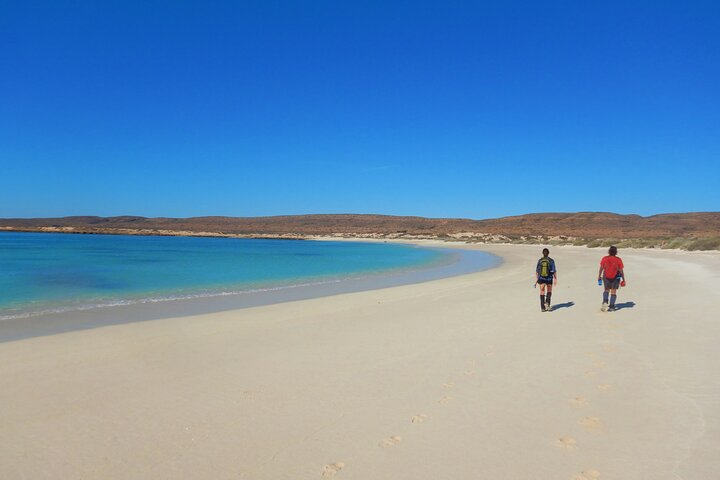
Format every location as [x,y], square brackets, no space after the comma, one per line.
[612,274]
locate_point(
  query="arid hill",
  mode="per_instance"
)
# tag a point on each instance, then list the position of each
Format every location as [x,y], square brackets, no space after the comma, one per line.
[584,225]
[606,225]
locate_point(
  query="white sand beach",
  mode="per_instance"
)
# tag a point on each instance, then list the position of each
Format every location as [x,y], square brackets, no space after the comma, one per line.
[459,378]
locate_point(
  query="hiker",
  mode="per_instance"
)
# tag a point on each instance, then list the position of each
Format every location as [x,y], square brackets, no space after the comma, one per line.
[546,276]
[612,274]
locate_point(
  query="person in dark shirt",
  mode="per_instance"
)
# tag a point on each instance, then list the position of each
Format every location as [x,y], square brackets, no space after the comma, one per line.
[546,277]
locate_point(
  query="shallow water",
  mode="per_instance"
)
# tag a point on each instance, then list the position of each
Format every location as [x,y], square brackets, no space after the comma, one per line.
[49,273]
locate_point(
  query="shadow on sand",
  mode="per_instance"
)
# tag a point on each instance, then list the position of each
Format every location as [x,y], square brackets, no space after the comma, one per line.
[620,306]
[562,305]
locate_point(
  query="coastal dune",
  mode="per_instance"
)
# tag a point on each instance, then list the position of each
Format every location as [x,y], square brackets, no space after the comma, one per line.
[462,377]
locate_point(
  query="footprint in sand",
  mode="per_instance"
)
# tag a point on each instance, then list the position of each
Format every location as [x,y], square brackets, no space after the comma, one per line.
[247,395]
[332,469]
[590,423]
[590,373]
[578,401]
[391,441]
[591,474]
[599,365]
[445,400]
[449,384]
[604,387]
[591,355]
[419,418]
[567,443]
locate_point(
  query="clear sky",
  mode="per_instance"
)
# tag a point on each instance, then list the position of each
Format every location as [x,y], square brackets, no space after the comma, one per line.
[438,109]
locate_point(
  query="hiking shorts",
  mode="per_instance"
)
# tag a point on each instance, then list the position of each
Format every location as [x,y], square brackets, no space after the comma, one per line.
[545,280]
[611,283]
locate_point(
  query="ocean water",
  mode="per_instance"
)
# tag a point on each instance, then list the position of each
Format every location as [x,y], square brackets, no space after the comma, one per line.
[44,272]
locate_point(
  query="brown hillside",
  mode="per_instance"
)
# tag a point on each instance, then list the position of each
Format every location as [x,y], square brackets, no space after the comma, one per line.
[605,225]
[580,225]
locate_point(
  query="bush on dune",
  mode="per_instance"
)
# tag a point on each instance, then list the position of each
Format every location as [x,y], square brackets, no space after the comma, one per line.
[711,243]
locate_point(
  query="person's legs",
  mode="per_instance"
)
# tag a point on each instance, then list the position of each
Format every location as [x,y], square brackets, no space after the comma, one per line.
[608,283]
[547,297]
[606,294]
[542,297]
[613,298]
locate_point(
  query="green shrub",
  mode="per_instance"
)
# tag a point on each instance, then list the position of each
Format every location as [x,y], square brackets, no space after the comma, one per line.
[609,241]
[684,243]
[638,243]
[627,243]
[710,243]
[678,242]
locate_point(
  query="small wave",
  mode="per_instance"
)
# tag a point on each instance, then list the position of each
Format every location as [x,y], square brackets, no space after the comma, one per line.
[162,298]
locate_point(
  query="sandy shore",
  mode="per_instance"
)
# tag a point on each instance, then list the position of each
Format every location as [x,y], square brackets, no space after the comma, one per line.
[460,378]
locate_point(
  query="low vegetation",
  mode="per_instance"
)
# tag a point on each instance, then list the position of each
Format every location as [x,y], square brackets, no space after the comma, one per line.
[686,231]
[711,243]
[665,243]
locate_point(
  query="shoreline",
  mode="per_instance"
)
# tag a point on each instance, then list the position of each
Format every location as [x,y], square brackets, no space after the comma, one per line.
[455,378]
[128,311]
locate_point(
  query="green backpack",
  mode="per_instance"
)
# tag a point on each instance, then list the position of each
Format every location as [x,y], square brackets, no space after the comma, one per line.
[545,267]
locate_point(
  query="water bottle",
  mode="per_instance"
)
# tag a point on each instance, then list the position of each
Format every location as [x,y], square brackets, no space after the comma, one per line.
[600,281]
[622,282]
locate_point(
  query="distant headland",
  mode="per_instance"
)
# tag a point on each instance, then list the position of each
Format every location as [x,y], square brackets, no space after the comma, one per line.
[690,231]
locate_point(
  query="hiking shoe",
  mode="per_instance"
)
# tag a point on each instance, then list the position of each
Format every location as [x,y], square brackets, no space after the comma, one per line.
[612,308]
[542,309]
[547,307]
[604,307]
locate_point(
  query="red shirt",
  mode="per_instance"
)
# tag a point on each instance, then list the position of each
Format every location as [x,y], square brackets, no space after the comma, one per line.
[611,264]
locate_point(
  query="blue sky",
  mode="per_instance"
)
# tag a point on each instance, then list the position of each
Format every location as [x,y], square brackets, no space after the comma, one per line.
[437,109]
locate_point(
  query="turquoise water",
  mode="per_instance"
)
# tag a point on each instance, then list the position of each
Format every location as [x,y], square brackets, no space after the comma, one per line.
[43,272]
